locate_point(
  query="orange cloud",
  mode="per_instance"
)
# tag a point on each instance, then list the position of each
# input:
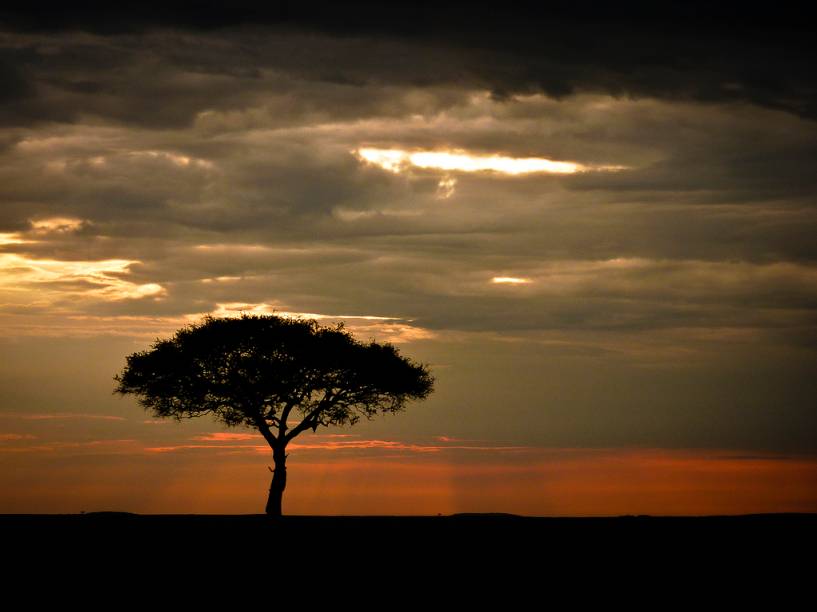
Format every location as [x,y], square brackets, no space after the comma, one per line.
[223,436]
[73,448]
[333,442]
[60,416]
[183,447]
[389,445]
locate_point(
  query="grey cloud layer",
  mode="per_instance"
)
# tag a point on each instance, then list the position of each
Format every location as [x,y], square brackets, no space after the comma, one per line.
[221,164]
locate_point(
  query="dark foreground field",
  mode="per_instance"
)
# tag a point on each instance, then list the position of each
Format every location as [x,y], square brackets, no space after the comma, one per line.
[467,556]
[733,537]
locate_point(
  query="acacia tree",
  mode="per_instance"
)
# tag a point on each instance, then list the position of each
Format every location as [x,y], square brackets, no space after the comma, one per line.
[263,371]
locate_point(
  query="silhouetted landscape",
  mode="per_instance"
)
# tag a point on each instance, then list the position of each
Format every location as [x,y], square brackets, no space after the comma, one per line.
[638,539]
[464,560]
[530,292]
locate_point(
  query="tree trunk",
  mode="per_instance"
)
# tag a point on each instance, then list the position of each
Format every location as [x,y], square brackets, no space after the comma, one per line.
[279,482]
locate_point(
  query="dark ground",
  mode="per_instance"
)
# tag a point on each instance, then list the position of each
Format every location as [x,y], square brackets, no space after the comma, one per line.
[458,535]
[467,556]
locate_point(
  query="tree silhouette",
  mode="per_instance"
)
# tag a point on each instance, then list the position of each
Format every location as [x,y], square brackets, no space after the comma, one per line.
[256,371]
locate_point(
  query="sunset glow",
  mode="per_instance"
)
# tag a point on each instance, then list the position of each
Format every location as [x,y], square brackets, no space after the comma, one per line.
[531,481]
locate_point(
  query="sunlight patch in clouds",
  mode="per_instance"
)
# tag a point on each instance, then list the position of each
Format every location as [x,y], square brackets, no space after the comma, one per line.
[111,152]
[458,160]
[47,280]
[10,238]
[221,279]
[236,309]
[510,280]
[51,225]
[174,158]
[465,162]
[389,329]
[56,225]
[446,186]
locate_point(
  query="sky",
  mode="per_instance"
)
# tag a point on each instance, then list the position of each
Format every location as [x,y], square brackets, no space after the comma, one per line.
[596,230]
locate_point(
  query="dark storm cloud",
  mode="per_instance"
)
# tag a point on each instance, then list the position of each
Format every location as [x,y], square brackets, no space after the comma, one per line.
[686,51]
[164,79]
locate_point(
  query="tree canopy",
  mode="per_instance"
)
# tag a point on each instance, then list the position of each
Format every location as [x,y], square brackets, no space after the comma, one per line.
[261,371]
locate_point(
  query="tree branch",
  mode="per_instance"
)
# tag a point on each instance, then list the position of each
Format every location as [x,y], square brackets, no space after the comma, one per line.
[282,423]
[309,420]
[265,431]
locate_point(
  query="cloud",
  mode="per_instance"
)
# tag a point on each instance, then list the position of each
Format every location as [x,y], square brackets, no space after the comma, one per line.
[510,280]
[452,440]
[696,52]
[59,416]
[397,160]
[224,236]
[222,436]
[14,437]
[150,175]
[64,279]
[380,445]
[332,443]
[198,447]
[62,447]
